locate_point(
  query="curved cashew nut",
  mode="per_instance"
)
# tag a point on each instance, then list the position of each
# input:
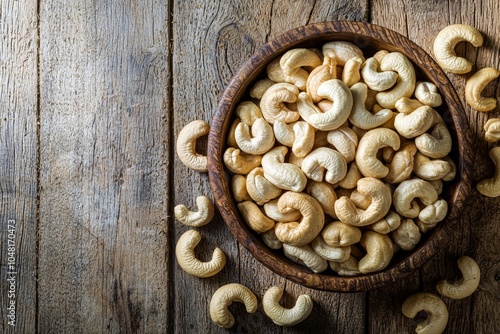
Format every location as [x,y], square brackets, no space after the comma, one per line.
[276,73]
[283,132]
[377,81]
[323,192]
[305,255]
[186,145]
[373,189]
[431,215]
[330,253]
[414,124]
[492,129]
[273,102]
[407,191]
[260,87]
[270,239]
[339,234]
[319,75]
[184,252]
[361,117]
[259,188]
[407,235]
[286,316]
[239,188]
[257,139]
[311,224]
[248,112]
[342,51]
[224,297]
[427,93]
[428,169]
[272,211]
[437,144]
[407,106]
[315,163]
[379,252]
[369,144]
[303,139]
[387,224]
[475,86]
[437,313]
[292,61]
[239,162]
[336,91]
[345,141]
[283,175]
[491,187]
[444,47]
[402,163]
[254,217]
[350,74]
[405,83]
[348,267]
[198,218]
[351,178]
[466,285]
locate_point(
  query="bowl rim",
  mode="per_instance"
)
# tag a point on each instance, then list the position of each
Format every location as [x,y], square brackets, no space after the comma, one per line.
[363,32]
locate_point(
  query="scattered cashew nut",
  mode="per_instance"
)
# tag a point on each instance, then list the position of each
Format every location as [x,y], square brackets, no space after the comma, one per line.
[475,86]
[466,285]
[224,297]
[198,218]
[186,145]
[437,313]
[285,316]
[491,187]
[492,129]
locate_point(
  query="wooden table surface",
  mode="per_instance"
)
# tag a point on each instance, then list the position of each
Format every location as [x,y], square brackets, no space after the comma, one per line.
[92,96]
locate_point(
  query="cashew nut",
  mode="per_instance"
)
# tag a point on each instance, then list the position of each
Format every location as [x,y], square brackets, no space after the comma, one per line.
[369,144]
[407,235]
[239,188]
[186,145]
[248,112]
[330,253]
[402,163]
[407,191]
[315,163]
[348,267]
[283,132]
[379,252]
[431,215]
[198,218]
[407,106]
[339,234]
[254,217]
[323,192]
[342,51]
[491,187]
[273,102]
[351,74]
[405,83]
[272,211]
[276,73]
[257,139]
[292,61]
[240,162]
[427,93]
[387,224]
[311,224]
[345,141]
[466,285]
[286,316]
[283,175]
[377,81]
[351,178]
[444,47]
[259,188]
[492,129]
[184,252]
[414,124]
[319,75]
[260,87]
[437,144]
[305,255]
[270,239]
[437,313]
[224,297]
[303,139]
[361,117]
[475,86]
[428,169]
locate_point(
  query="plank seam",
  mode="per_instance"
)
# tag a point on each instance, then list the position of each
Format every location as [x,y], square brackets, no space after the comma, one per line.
[38,164]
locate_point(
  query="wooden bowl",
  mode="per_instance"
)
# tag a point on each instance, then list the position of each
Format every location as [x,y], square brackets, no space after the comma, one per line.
[370,38]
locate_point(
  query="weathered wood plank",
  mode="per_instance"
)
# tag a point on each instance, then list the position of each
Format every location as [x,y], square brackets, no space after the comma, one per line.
[18,166]
[211,41]
[477,233]
[103,258]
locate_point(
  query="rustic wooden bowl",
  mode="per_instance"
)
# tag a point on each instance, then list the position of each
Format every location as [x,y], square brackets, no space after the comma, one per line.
[369,38]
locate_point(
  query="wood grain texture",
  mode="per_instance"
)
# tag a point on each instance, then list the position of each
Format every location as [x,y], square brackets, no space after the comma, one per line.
[477,232]
[18,164]
[103,204]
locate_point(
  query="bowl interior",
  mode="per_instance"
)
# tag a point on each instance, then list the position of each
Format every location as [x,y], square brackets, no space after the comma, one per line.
[369,38]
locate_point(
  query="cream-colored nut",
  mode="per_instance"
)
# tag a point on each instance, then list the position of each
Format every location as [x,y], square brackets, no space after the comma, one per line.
[323,192]
[427,93]
[428,169]
[437,313]
[330,253]
[407,106]
[348,267]
[350,74]
[361,117]
[491,187]
[305,255]
[378,252]
[186,145]
[184,252]
[276,73]
[273,103]
[285,316]
[283,175]
[303,139]
[407,235]
[272,211]
[339,234]
[437,144]
[431,215]
[259,188]
[292,61]
[239,188]
[466,285]
[231,139]
[198,218]
[283,132]
[377,81]
[352,177]
[475,86]
[380,196]
[342,51]
[257,139]
[248,112]
[453,172]
[315,163]
[492,129]
[260,87]
[402,163]
[345,141]
[240,162]
[414,124]
[312,222]
[387,224]
[254,217]
[407,191]
[334,90]
[369,144]
[270,239]
[224,297]
[319,75]
[444,47]
[405,83]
